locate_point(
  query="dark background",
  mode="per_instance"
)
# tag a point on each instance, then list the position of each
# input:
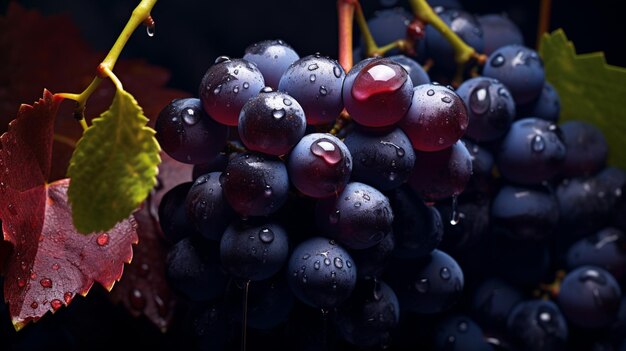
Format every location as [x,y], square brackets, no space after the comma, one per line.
[191,34]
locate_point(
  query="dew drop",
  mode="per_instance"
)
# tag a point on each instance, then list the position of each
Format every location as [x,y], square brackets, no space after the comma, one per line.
[278,113]
[462,326]
[333,274]
[33,275]
[313,67]
[236,71]
[337,71]
[137,300]
[266,235]
[46,283]
[538,144]
[422,285]
[56,266]
[102,239]
[349,264]
[190,117]
[287,102]
[444,273]
[161,307]
[306,256]
[338,262]
[246,85]
[455,217]
[67,297]
[56,304]
[150,30]
[327,150]
[430,92]
[498,60]
[327,261]
[144,269]
[316,265]
[304,279]
[266,90]
[479,101]
[21,282]
[446,99]
[217,89]
[312,78]
[323,90]
[236,89]
[12,209]
[34,305]
[357,204]
[392,176]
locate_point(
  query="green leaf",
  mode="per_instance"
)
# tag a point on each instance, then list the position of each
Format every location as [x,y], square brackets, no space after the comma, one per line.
[114,166]
[589,88]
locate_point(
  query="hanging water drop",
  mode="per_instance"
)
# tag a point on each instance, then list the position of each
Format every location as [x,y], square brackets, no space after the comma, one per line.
[455,217]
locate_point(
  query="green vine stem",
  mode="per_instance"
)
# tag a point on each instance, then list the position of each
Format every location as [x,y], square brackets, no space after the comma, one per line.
[463,53]
[140,15]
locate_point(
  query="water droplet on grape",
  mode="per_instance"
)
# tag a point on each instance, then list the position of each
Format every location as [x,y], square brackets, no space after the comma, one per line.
[498,60]
[338,262]
[337,71]
[479,101]
[266,235]
[217,89]
[446,99]
[592,275]
[444,273]
[278,113]
[538,144]
[236,89]
[56,266]
[190,117]
[327,150]
[430,92]
[21,282]
[304,279]
[266,90]
[316,265]
[422,285]
[312,78]
[246,85]
[357,204]
[313,67]
[323,90]
[327,261]
[334,217]
[34,305]
[137,300]
[287,102]
[12,209]
[378,77]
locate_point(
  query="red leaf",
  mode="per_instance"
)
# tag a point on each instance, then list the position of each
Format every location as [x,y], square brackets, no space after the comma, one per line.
[144,288]
[50,262]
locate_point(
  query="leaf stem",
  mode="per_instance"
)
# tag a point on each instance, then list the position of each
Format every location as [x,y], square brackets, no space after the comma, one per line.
[345,12]
[140,14]
[463,53]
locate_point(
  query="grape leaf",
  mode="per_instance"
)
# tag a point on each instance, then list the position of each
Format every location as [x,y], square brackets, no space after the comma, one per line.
[50,261]
[144,288]
[589,88]
[114,166]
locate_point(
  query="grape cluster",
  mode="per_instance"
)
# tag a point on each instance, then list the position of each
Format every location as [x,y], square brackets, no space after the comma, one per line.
[430,217]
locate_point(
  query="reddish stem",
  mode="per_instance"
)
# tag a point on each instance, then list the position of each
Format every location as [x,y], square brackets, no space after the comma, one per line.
[345,11]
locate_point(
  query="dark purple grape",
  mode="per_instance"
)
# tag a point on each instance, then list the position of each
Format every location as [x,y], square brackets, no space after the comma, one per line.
[207,208]
[439,49]
[253,251]
[482,178]
[255,185]
[586,203]
[520,69]
[441,174]
[272,58]
[417,228]
[490,108]
[415,70]
[589,297]
[499,31]
[493,301]
[460,333]
[321,273]
[436,119]
[605,249]
[227,85]
[377,92]
[173,218]
[532,152]
[193,269]
[587,149]
[320,165]
[271,123]
[547,106]
[316,83]
[525,213]
[382,160]
[538,325]
[187,134]
[368,316]
[373,260]
[430,285]
[359,217]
